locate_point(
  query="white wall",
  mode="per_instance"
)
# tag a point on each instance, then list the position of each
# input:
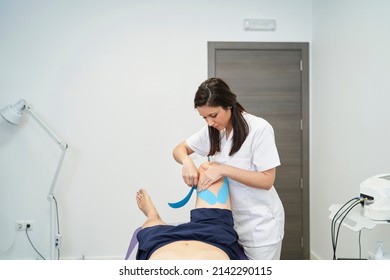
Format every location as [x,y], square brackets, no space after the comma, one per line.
[350,97]
[115,79]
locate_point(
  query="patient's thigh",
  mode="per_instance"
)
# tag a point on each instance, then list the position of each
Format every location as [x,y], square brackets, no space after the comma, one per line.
[215,189]
[153,222]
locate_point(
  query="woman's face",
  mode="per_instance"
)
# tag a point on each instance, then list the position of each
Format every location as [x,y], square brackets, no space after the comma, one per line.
[217,117]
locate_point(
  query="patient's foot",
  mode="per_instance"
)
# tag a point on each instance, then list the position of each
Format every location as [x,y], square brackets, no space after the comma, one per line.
[146,205]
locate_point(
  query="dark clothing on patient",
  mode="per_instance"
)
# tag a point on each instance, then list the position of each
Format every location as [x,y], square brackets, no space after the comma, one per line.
[210,225]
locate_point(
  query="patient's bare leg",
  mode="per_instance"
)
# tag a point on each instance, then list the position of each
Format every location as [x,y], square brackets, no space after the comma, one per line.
[147,207]
[214,188]
[192,249]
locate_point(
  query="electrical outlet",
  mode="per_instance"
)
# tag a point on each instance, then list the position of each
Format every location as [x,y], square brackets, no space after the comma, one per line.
[58,241]
[29,225]
[19,225]
[23,225]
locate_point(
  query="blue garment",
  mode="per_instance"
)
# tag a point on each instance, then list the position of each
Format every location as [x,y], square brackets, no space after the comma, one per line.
[210,225]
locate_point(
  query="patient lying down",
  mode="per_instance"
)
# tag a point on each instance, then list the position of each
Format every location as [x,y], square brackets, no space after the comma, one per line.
[208,236]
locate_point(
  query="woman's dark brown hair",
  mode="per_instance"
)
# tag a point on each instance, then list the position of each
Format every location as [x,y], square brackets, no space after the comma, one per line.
[215,92]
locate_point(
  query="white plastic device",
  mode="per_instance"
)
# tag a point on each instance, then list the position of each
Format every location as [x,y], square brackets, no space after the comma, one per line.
[377,191]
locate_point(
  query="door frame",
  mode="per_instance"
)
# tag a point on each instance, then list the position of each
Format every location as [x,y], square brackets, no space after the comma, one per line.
[303,47]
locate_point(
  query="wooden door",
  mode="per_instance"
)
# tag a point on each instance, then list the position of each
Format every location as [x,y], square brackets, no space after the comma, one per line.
[271,81]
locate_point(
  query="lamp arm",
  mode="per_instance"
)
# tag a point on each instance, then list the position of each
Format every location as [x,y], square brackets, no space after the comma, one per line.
[53,184]
[61,144]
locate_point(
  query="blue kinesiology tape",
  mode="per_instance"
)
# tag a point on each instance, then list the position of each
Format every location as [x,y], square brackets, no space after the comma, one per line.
[184,201]
[222,196]
[206,195]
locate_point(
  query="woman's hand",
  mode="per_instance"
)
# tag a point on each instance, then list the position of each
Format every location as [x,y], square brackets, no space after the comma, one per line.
[210,172]
[181,153]
[190,173]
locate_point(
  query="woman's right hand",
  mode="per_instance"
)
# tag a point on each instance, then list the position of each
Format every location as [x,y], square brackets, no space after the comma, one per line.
[190,172]
[181,154]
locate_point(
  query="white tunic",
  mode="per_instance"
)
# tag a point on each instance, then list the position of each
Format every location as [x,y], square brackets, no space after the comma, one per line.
[258,214]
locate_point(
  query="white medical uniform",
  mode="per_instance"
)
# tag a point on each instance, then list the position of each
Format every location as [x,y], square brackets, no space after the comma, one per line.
[258,214]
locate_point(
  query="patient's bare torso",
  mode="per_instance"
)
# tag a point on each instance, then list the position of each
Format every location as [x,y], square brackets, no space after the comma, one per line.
[189,250]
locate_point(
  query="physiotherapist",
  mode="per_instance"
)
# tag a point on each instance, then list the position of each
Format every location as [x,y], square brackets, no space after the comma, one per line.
[244,147]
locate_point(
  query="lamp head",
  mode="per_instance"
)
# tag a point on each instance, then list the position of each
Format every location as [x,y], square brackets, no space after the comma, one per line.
[14,113]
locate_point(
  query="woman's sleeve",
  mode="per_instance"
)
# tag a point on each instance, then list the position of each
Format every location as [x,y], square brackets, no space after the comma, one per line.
[199,142]
[265,152]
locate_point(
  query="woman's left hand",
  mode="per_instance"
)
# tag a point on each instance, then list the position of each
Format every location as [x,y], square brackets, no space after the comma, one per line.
[210,173]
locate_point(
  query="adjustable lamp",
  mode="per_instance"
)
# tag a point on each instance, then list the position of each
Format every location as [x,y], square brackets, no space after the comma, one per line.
[14,115]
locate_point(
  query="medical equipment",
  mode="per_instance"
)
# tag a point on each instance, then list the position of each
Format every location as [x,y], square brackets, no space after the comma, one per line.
[376,191]
[338,218]
[375,200]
